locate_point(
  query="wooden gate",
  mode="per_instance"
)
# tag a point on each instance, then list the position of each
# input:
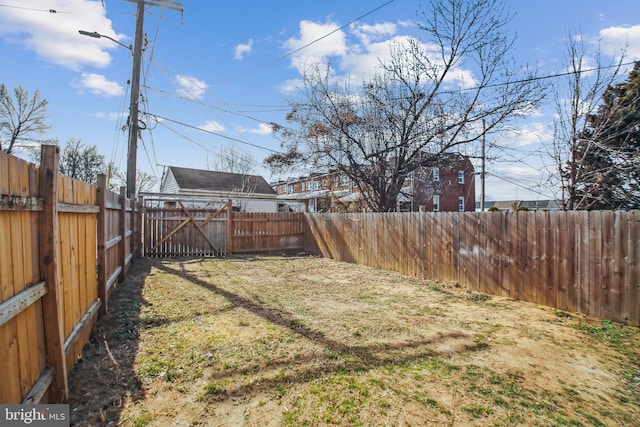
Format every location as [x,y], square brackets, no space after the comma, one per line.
[192,227]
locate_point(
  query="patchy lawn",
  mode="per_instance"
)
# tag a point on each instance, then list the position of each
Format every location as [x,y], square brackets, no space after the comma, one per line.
[275,341]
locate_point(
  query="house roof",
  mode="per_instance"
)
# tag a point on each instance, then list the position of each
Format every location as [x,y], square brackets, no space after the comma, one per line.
[548,205]
[205,180]
[542,204]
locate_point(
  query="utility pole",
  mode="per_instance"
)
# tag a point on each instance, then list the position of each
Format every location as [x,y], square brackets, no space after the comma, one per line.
[133,104]
[135,87]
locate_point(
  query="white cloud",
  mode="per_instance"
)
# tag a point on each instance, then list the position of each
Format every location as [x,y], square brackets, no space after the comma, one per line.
[614,40]
[110,116]
[190,87]
[528,134]
[359,57]
[321,47]
[242,49]
[212,126]
[54,36]
[365,61]
[366,33]
[262,129]
[290,86]
[99,85]
[520,172]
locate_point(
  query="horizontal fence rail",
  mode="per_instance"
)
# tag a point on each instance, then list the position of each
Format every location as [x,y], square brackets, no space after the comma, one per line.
[577,261]
[202,227]
[51,263]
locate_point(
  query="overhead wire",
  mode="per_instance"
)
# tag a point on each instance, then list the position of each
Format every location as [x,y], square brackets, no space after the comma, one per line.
[242,114]
[206,148]
[518,184]
[145,100]
[212,133]
[31,8]
[288,54]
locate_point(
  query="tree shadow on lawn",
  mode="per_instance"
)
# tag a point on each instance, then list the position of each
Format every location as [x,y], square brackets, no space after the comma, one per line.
[104,378]
[338,356]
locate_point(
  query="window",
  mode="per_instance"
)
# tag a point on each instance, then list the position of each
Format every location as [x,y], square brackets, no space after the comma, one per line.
[436,203]
[461,204]
[436,175]
[460,177]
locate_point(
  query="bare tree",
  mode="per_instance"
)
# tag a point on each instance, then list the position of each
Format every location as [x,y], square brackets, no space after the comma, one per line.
[81,161]
[573,140]
[416,107]
[145,181]
[233,160]
[22,118]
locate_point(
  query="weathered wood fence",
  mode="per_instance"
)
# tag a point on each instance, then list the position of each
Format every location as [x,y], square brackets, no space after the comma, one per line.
[209,227]
[276,233]
[63,245]
[585,262]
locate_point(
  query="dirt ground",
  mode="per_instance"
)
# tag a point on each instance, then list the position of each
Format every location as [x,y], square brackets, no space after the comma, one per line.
[273,341]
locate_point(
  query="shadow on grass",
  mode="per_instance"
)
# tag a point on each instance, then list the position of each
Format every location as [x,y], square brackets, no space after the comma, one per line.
[338,357]
[105,377]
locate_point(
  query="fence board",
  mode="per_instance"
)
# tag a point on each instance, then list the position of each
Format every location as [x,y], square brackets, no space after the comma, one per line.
[9,331]
[560,258]
[42,243]
[606,263]
[509,238]
[595,262]
[620,256]
[577,261]
[633,269]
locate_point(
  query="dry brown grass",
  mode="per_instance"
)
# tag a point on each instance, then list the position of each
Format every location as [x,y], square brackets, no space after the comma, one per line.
[309,341]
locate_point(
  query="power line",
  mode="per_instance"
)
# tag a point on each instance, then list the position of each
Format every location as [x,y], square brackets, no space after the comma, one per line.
[517,184]
[31,8]
[213,133]
[288,54]
[330,33]
[203,146]
[537,78]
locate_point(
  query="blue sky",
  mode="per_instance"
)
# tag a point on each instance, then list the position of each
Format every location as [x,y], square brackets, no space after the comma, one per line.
[227,67]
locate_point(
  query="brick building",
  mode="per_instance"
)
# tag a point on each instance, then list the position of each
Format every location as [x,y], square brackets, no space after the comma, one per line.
[449,187]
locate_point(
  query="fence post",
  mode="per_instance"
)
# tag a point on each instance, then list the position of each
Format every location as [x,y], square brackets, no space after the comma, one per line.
[103,294]
[138,228]
[229,227]
[51,305]
[122,230]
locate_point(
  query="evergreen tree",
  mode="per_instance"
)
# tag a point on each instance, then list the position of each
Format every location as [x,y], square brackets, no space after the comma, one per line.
[609,150]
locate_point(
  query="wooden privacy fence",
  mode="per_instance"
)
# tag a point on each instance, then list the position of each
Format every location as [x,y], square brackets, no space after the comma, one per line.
[210,227]
[63,243]
[580,261]
[258,232]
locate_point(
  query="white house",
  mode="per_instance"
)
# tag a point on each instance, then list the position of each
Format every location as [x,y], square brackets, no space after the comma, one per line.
[249,193]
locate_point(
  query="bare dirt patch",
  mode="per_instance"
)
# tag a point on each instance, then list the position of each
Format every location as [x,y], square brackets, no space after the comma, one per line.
[307,341]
